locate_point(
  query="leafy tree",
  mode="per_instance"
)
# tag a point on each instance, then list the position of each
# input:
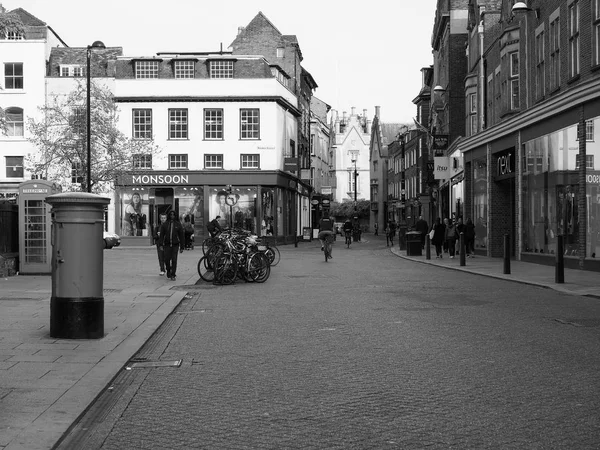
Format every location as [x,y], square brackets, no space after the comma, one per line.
[60,135]
[345,210]
[9,22]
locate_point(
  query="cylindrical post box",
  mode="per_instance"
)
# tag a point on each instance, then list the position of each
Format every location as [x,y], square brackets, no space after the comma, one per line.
[77,303]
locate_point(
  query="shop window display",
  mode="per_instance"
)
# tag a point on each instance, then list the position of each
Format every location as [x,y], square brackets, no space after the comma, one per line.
[480,202]
[237,208]
[134,211]
[551,193]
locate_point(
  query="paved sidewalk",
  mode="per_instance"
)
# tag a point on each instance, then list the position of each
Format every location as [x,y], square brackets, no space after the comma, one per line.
[46,383]
[577,282]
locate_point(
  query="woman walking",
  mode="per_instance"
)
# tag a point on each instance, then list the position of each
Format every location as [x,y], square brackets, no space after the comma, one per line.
[450,236]
[438,237]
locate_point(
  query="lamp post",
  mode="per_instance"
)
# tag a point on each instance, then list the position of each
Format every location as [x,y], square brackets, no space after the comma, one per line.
[95,45]
[355,190]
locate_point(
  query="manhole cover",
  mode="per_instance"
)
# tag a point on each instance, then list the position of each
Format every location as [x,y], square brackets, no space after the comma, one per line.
[146,364]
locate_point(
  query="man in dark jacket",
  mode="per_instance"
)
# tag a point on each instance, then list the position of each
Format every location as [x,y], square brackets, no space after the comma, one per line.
[171,240]
[422,227]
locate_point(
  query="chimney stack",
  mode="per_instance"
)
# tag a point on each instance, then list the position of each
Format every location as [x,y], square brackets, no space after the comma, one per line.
[344,117]
[365,114]
[240,29]
[377,111]
[353,111]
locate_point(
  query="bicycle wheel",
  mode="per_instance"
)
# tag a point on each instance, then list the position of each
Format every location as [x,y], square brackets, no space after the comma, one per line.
[205,270]
[273,255]
[225,269]
[258,267]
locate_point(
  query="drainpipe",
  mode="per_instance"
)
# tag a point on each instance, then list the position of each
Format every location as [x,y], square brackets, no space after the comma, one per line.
[480,29]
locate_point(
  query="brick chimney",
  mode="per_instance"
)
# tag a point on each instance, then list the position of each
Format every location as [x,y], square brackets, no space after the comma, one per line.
[377,111]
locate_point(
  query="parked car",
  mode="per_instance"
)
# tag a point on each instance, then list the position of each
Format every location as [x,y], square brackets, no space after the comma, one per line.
[111,240]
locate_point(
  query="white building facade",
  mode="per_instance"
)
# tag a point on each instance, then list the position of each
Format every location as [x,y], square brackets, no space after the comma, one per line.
[351,143]
[223,125]
[23,59]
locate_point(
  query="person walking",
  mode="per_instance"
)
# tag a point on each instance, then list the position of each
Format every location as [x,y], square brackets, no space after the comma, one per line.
[450,238]
[469,238]
[422,227]
[376,226]
[172,241]
[160,250]
[439,232]
[445,244]
[390,233]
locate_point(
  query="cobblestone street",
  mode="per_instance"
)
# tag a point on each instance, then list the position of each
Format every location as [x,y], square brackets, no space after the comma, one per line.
[366,351]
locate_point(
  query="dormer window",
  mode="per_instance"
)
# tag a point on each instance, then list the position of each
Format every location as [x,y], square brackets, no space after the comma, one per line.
[221,69]
[14,36]
[71,70]
[184,69]
[146,69]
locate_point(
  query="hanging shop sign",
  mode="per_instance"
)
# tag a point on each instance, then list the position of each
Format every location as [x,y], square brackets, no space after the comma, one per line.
[441,167]
[440,144]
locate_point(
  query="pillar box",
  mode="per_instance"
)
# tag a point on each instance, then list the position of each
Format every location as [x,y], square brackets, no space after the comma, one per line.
[77,303]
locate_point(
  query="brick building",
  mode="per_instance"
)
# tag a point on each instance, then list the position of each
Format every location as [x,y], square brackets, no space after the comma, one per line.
[531,153]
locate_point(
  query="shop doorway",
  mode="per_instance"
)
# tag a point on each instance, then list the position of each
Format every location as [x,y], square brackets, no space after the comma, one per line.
[162,203]
[504,217]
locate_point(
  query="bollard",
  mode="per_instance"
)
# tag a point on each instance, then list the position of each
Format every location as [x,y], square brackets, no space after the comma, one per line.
[507,254]
[559,268]
[427,247]
[461,246]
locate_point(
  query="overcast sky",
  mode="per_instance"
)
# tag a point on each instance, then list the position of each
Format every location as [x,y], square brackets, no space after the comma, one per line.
[361,54]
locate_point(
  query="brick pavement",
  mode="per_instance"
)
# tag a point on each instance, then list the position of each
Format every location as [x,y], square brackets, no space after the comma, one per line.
[45,383]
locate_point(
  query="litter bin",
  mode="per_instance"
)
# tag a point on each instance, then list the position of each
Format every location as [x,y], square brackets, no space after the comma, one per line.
[77,302]
[413,243]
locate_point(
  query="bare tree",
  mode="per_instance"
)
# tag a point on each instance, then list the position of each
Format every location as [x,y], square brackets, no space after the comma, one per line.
[60,136]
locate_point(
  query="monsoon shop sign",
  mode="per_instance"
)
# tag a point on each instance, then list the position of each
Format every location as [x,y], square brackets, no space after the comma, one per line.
[160,179]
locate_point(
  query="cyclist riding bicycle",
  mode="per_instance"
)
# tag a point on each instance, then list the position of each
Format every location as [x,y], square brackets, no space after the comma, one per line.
[347,227]
[325,230]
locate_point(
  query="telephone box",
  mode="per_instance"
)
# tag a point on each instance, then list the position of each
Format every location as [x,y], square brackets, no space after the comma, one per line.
[35,251]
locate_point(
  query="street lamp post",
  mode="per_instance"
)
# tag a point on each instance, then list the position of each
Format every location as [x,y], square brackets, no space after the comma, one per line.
[95,45]
[355,187]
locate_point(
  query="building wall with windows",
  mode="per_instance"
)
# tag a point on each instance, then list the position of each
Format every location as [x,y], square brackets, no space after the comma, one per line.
[221,131]
[351,146]
[23,61]
[532,173]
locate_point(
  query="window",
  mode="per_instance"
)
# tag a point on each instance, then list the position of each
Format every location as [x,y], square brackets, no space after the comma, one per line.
[514,81]
[76,172]
[589,162]
[142,124]
[596,32]
[13,75]
[178,161]
[142,161]
[213,124]
[178,123]
[251,161]
[71,70]
[554,43]
[14,36]
[14,122]
[14,167]
[280,52]
[351,184]
[472,114]
[375,166]
[213,161]
[589,131]
[78,120]
[249,124]
[540,68]
[184,69]
[312,144]
[574,38]
[221,69]
[146,69]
